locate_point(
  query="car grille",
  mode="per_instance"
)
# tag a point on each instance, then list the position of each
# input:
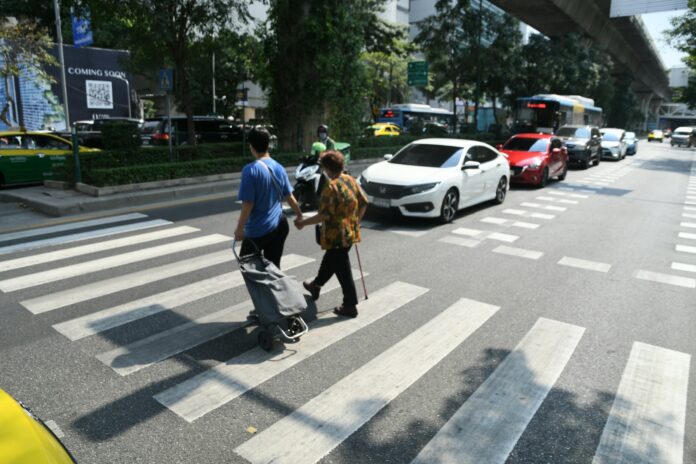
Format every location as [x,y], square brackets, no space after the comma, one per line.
[384,190]
[516,170]
[606,151]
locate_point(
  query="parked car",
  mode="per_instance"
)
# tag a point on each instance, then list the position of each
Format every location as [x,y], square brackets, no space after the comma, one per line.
[89,132]
[584,144]
[31,157]
[434,178]
[535,158]
[613,143]
[656,135]
[382,129]
[208,130]
[667,133]
[683,136]
[25,439]
[631,143]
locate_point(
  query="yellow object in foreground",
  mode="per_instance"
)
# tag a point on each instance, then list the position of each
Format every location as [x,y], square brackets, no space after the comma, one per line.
[26,440]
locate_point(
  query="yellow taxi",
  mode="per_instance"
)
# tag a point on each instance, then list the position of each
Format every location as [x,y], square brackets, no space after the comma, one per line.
[381,129]
[655,135]
[25,439]
[27,157]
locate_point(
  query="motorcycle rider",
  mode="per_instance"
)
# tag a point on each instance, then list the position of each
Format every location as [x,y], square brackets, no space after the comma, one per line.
[323,134]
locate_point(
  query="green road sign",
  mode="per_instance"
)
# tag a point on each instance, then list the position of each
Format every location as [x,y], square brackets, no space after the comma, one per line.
[418,73]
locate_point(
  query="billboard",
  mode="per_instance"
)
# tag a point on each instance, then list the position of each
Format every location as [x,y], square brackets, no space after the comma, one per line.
[638,7]
[97,88]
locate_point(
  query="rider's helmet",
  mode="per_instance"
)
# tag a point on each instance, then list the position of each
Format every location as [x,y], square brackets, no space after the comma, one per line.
[317,148]
[323,132]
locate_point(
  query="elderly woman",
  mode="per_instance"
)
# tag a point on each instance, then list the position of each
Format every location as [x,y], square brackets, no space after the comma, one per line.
[341,207]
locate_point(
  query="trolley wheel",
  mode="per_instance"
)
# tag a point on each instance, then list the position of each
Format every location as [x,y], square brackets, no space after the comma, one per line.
[265,340]
[294,326]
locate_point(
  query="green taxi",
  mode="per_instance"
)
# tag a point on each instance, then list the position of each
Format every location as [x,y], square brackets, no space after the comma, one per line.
[30,157]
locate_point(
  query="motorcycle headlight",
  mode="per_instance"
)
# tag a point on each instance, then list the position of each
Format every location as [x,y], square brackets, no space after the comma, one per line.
[412,190]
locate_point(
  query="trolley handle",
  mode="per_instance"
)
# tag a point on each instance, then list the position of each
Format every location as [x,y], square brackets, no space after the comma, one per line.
[234,250]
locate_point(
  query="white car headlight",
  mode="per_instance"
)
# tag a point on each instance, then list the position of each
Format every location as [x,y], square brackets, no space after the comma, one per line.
[413,189]
[535,164]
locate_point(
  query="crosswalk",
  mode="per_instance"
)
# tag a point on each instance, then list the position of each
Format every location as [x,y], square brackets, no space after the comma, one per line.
[646,422]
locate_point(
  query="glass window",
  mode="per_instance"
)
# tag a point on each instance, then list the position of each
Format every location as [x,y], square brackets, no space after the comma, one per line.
[630,135]
[611,136]
[150,127]
[526,144]
[432,156]
[11,142]
[577,132]
[41,141]
[485,154]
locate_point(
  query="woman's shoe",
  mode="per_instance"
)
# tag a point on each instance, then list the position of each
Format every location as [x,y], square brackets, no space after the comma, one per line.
[347,311]
[312,289]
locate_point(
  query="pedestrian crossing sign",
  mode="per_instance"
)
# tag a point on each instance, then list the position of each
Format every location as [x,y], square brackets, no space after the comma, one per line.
[165,79]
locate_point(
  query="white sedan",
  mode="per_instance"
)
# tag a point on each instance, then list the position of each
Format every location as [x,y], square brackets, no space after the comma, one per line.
[437,177]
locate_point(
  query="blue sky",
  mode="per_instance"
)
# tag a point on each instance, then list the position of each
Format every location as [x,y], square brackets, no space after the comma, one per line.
[657,23]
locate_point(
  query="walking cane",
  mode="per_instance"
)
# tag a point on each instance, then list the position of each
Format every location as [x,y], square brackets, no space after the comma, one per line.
[362,277]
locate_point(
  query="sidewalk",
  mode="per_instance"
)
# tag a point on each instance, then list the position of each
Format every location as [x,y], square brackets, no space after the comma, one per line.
[19,207]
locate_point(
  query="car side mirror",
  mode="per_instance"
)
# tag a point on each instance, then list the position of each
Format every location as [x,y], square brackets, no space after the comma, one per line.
[389,156]
[471,165]
[499,146]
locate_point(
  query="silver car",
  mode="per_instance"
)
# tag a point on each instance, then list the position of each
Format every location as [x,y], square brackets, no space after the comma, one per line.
[631,143]
[613,143]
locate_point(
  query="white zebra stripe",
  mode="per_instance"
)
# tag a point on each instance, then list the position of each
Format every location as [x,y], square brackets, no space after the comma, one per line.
[69,226]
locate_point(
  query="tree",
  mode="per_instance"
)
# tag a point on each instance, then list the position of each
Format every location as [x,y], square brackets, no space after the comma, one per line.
[682,36]
[386,74]
[314,73]
[161,33]
[449,40]
[24,47]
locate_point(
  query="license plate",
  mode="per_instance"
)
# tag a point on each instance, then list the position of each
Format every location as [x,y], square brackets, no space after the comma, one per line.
[381,202]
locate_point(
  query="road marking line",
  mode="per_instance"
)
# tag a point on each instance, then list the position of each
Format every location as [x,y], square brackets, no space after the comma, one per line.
[501,237]
[666,279]
[66,272]
[690,197]
[465,242]
[131,358]
[584,264]
[94,247]
[522,253]
[489,424]
[687,235]
[328,419]
[51,424]
[515,212]
[558,200]
[70,226]
[87,292]
[686,249]
[90,324]
[542,216]
[690,202]
[467,232]
[216,387]
[689,215]
[572,195]
[63,239]
[691,225]
[525,225]
[684,267]
[407,232]
[689,208]
[647,420]
[495,220]
[547,207]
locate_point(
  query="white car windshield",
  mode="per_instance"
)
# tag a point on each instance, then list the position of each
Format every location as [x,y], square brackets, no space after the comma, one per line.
[610,136]
[431,156]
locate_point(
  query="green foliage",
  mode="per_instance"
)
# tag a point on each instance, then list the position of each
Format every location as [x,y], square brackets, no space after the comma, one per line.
[120,135]
[682,36]
[314,71]
[386,74]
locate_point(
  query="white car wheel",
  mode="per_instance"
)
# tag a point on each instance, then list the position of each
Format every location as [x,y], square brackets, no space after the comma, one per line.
[449,206]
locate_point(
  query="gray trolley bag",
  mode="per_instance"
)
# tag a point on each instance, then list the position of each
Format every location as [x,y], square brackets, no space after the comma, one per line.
[278,299]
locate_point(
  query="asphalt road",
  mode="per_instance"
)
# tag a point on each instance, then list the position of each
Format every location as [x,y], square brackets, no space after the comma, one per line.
[555,328]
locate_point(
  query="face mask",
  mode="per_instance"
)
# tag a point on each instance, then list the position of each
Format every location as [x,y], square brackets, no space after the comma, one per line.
[323,136]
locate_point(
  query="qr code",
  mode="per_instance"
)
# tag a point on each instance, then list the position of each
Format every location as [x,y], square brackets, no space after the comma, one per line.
[100,94]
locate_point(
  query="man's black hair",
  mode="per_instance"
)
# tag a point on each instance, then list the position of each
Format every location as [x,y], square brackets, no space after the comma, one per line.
[259,139]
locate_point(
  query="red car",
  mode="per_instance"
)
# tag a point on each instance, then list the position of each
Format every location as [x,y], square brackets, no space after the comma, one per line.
[535,158]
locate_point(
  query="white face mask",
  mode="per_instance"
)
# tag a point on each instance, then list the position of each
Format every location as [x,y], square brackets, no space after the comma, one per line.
[323,136]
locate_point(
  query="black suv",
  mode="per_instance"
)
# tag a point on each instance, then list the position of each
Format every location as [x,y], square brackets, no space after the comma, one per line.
[584,144]
[208,130]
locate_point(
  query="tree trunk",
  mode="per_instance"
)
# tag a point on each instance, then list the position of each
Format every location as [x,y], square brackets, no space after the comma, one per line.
[495,114]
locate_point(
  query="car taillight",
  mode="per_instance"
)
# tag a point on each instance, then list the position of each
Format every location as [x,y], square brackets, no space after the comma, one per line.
[160,136]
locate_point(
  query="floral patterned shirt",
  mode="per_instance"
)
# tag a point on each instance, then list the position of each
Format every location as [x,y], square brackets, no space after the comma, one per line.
[341,200]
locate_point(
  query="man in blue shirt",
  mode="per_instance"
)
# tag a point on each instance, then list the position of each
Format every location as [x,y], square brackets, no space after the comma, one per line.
[264,186]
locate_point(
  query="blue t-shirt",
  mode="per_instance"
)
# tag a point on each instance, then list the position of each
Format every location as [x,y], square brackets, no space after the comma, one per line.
[257,187]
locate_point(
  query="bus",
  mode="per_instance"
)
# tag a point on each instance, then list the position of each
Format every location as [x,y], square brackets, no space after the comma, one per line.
[546,113]
[415,118]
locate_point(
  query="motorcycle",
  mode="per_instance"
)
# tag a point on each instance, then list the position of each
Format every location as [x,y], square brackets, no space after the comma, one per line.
[309,180]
